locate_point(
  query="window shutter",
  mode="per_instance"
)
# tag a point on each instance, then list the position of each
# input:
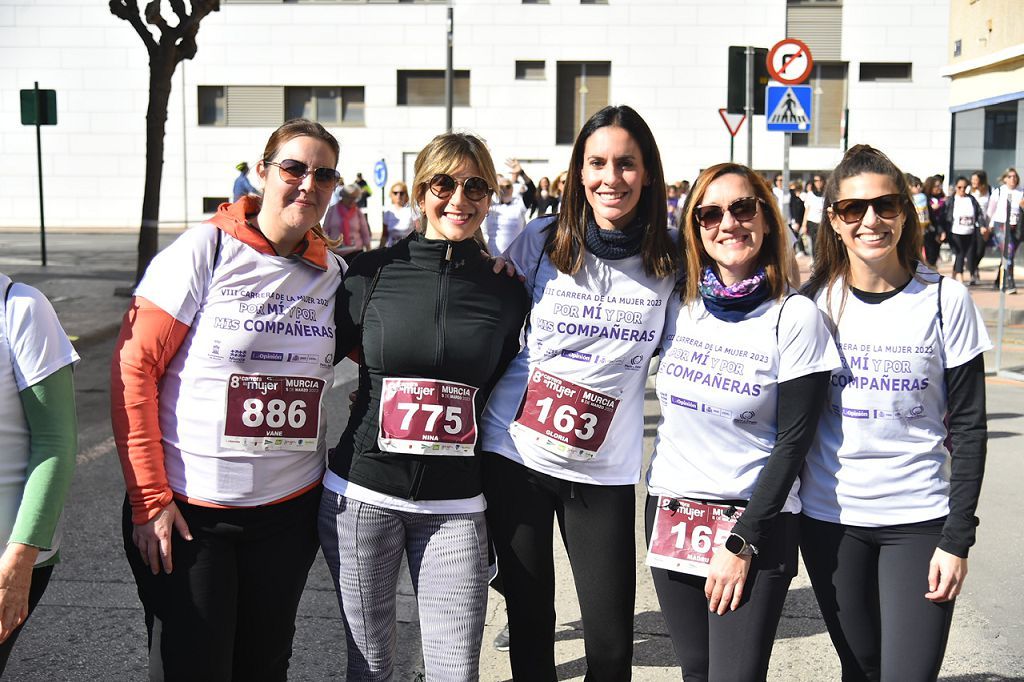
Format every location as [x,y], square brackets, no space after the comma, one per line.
[255,105]
[820,27]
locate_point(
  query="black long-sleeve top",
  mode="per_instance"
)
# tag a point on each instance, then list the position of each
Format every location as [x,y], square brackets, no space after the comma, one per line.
[433,309]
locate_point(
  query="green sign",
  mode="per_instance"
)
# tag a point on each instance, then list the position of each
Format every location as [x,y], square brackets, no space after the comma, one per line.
[41,110]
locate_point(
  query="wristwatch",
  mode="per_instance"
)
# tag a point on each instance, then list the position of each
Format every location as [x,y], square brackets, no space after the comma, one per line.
[738,546]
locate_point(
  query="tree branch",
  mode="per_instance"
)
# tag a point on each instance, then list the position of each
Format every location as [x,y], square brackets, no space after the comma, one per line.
[129,11]
[154,18]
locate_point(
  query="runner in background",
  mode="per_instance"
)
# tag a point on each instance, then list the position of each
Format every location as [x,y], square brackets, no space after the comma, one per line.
[743,378]
[38,444]
[888,511]
[217,380]
[398,220]
[435,327]
[563,431]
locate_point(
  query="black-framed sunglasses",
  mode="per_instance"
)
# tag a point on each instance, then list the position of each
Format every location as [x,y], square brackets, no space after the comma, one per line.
[443,186]
[293,172]
[711,215]
[851,210]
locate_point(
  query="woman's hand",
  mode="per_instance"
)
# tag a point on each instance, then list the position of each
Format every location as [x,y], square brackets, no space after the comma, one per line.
[499,264]
[946,574]
[154,538]
[724,586]
[16,564]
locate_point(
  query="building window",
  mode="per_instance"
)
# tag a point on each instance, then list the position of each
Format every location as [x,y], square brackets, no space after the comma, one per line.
[582,91]
[828,107]
[1001,126]
[328,105]
[212,105]
[885,71]
[529,71]
[426,88]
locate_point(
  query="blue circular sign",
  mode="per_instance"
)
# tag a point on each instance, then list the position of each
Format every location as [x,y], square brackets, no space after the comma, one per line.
[380,173]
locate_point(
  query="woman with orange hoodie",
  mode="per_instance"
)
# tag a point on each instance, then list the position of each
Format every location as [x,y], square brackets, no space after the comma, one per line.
[223,359]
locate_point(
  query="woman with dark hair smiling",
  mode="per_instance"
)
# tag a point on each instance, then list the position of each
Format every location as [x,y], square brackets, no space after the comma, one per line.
[563,430]
[888,510]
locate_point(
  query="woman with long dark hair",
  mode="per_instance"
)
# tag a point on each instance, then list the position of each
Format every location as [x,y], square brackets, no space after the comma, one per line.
[563,431]
[888,511]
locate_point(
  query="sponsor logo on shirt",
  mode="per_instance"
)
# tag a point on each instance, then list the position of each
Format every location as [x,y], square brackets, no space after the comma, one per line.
[717,411]
[576,355]
[684,402]
[304,358]
[266,356]
[852,413]
[746,417]
[215,350]
[328,360]
[237,356]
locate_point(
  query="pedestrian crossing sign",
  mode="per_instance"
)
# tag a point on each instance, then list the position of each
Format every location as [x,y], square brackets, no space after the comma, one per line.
[788,108]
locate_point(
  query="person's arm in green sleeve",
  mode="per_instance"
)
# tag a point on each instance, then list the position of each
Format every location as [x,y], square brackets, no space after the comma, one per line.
[53,442]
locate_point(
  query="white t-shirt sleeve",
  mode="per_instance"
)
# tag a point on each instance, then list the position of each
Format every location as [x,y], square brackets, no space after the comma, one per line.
[963,329]
[177,278]
[39,345]
[805,345]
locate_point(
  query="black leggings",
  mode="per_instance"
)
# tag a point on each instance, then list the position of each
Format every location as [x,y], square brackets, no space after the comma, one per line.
[597,526]
[963,246]
[735,646]
[40,579]
[227,611]
[870,584]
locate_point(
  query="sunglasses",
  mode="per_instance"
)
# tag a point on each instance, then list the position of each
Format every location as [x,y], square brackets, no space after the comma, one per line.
[293,172]
[443,186]
[742,210]
[851,210]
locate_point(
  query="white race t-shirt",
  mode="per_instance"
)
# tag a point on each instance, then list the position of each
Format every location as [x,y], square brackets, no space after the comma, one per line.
[963,215]
[597,329]
[33,346]
[398,221]
[259,355]
[814,205]
[878,458]
[504,223]
[718,388]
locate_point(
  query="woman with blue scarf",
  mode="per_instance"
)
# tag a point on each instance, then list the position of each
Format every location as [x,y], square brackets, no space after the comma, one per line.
[741,383]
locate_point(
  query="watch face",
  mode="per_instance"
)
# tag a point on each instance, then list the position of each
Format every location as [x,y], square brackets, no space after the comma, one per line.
[735,544]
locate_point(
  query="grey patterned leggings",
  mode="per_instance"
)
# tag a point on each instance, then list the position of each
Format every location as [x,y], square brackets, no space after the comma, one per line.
[363,545]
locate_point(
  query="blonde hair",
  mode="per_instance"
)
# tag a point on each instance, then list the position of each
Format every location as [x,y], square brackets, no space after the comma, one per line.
[444,154]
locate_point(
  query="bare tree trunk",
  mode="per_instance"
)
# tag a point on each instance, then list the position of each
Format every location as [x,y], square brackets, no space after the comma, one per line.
[161,69]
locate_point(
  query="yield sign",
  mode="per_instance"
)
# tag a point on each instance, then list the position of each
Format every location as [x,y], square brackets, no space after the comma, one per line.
[732,121]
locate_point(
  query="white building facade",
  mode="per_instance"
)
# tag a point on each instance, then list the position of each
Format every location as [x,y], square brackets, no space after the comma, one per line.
[373,72]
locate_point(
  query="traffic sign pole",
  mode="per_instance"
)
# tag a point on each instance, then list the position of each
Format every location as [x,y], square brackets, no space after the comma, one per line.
[748,109]
[39,165]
